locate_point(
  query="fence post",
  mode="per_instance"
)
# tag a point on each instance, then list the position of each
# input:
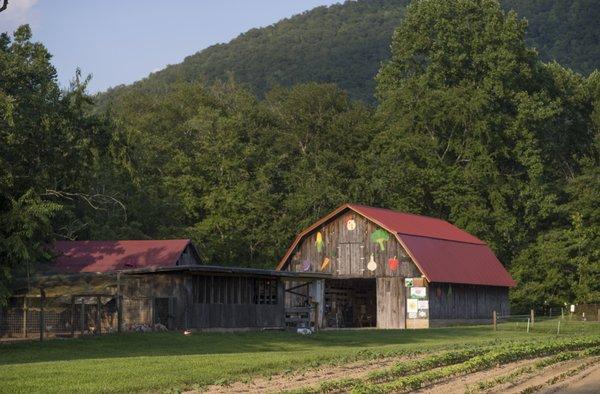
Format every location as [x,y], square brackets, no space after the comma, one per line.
[598,316]
[25,315]
[98,316]
[42,322]
[528,320]
[72,316]
[494,320]
[558,328]
[532,318]
[82,316]
[119,304]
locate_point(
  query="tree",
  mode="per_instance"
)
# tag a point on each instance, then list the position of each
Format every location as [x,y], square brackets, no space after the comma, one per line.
[473,124]
[49,145]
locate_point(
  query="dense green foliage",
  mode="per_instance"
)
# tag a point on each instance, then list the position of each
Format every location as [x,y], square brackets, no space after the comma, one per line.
[50,153]
[345,44]
[471,127]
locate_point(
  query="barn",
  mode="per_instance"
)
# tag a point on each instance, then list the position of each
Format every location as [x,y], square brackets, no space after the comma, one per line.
[395,270]
[93,287]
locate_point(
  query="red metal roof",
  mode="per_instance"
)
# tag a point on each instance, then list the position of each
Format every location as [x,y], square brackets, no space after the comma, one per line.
[457,262]
[407,223]
[442,251]
[105,256]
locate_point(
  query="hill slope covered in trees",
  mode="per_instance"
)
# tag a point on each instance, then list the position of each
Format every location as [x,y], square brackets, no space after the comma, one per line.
[345,45]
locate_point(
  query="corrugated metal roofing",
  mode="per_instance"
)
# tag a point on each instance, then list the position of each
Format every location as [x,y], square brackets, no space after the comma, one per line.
[105,256]
[457,262]
[442,251]
[423,226]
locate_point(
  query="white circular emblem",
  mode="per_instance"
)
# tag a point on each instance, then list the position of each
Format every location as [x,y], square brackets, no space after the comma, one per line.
[351,224]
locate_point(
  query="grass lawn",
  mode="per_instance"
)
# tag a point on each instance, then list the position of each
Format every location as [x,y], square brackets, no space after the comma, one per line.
[172,361]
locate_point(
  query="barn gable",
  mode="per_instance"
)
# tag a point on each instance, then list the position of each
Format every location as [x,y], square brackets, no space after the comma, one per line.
[440,251]
[347,250]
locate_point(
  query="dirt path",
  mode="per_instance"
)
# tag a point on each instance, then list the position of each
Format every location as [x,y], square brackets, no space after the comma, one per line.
[278,383]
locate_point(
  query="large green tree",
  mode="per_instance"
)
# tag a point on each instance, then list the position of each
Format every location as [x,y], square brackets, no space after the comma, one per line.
[476,129]
[49,148]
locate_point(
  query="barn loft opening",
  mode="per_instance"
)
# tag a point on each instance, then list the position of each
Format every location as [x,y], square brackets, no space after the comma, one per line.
[351,303]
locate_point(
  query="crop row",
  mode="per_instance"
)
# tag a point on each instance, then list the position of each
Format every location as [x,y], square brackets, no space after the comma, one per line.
[477,363]
[511,377]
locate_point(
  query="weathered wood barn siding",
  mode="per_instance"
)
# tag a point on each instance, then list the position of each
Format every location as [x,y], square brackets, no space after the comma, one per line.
[204,301]
[448,302]
[349,251]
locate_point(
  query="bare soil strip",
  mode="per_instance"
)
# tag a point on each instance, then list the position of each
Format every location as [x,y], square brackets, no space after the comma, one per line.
[294,381]
[586,382]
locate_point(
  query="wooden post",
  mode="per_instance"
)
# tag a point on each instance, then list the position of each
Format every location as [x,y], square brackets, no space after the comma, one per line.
[598,316]
[72,316]
[532,318]
[494,320]
[25,315]
[119,304]
[82,317]
[42,321]
[528,320]
[558,328]
[98,316]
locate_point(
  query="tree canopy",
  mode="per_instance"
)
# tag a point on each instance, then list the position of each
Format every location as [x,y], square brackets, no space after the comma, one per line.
[471,126]
[345,44]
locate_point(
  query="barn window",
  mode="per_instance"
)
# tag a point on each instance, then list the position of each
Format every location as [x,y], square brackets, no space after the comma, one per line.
[265,291]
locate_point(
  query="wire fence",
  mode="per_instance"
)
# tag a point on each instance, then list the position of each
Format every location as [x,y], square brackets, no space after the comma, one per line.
[559,322]
[32,317]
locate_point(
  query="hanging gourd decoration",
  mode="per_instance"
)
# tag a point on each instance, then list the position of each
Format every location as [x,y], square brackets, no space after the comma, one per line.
[393,263]
[380,237]
[305,265]
[372,265]
[351,224]
[319,242]
[325,263]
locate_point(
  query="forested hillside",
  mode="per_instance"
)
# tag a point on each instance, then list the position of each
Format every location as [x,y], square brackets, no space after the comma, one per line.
[345,45]
[470,126]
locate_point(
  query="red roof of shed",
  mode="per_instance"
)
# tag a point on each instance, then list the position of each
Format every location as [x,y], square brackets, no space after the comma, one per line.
[442,251]
[105,256]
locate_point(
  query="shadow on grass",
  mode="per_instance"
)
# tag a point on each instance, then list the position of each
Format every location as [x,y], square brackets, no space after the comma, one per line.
[175,343]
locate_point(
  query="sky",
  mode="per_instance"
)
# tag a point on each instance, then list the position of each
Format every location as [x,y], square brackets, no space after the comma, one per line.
[120,42]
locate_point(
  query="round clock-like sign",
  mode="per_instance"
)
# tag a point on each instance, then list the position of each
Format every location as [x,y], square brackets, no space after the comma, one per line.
[351,224]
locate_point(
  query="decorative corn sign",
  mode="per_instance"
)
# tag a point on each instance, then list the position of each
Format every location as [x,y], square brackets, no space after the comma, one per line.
[319,242]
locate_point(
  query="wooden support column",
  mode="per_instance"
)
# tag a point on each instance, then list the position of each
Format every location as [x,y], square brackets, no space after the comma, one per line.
[98,316]
[42,317]
[82,317]
[25,316]
[119,304]
[494,320]
[532,313]
[72,317]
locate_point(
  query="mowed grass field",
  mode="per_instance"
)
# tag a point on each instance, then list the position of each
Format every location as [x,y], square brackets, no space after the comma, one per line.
[173,362]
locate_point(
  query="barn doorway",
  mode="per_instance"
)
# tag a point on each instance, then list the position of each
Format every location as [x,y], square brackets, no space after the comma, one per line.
[350,303]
